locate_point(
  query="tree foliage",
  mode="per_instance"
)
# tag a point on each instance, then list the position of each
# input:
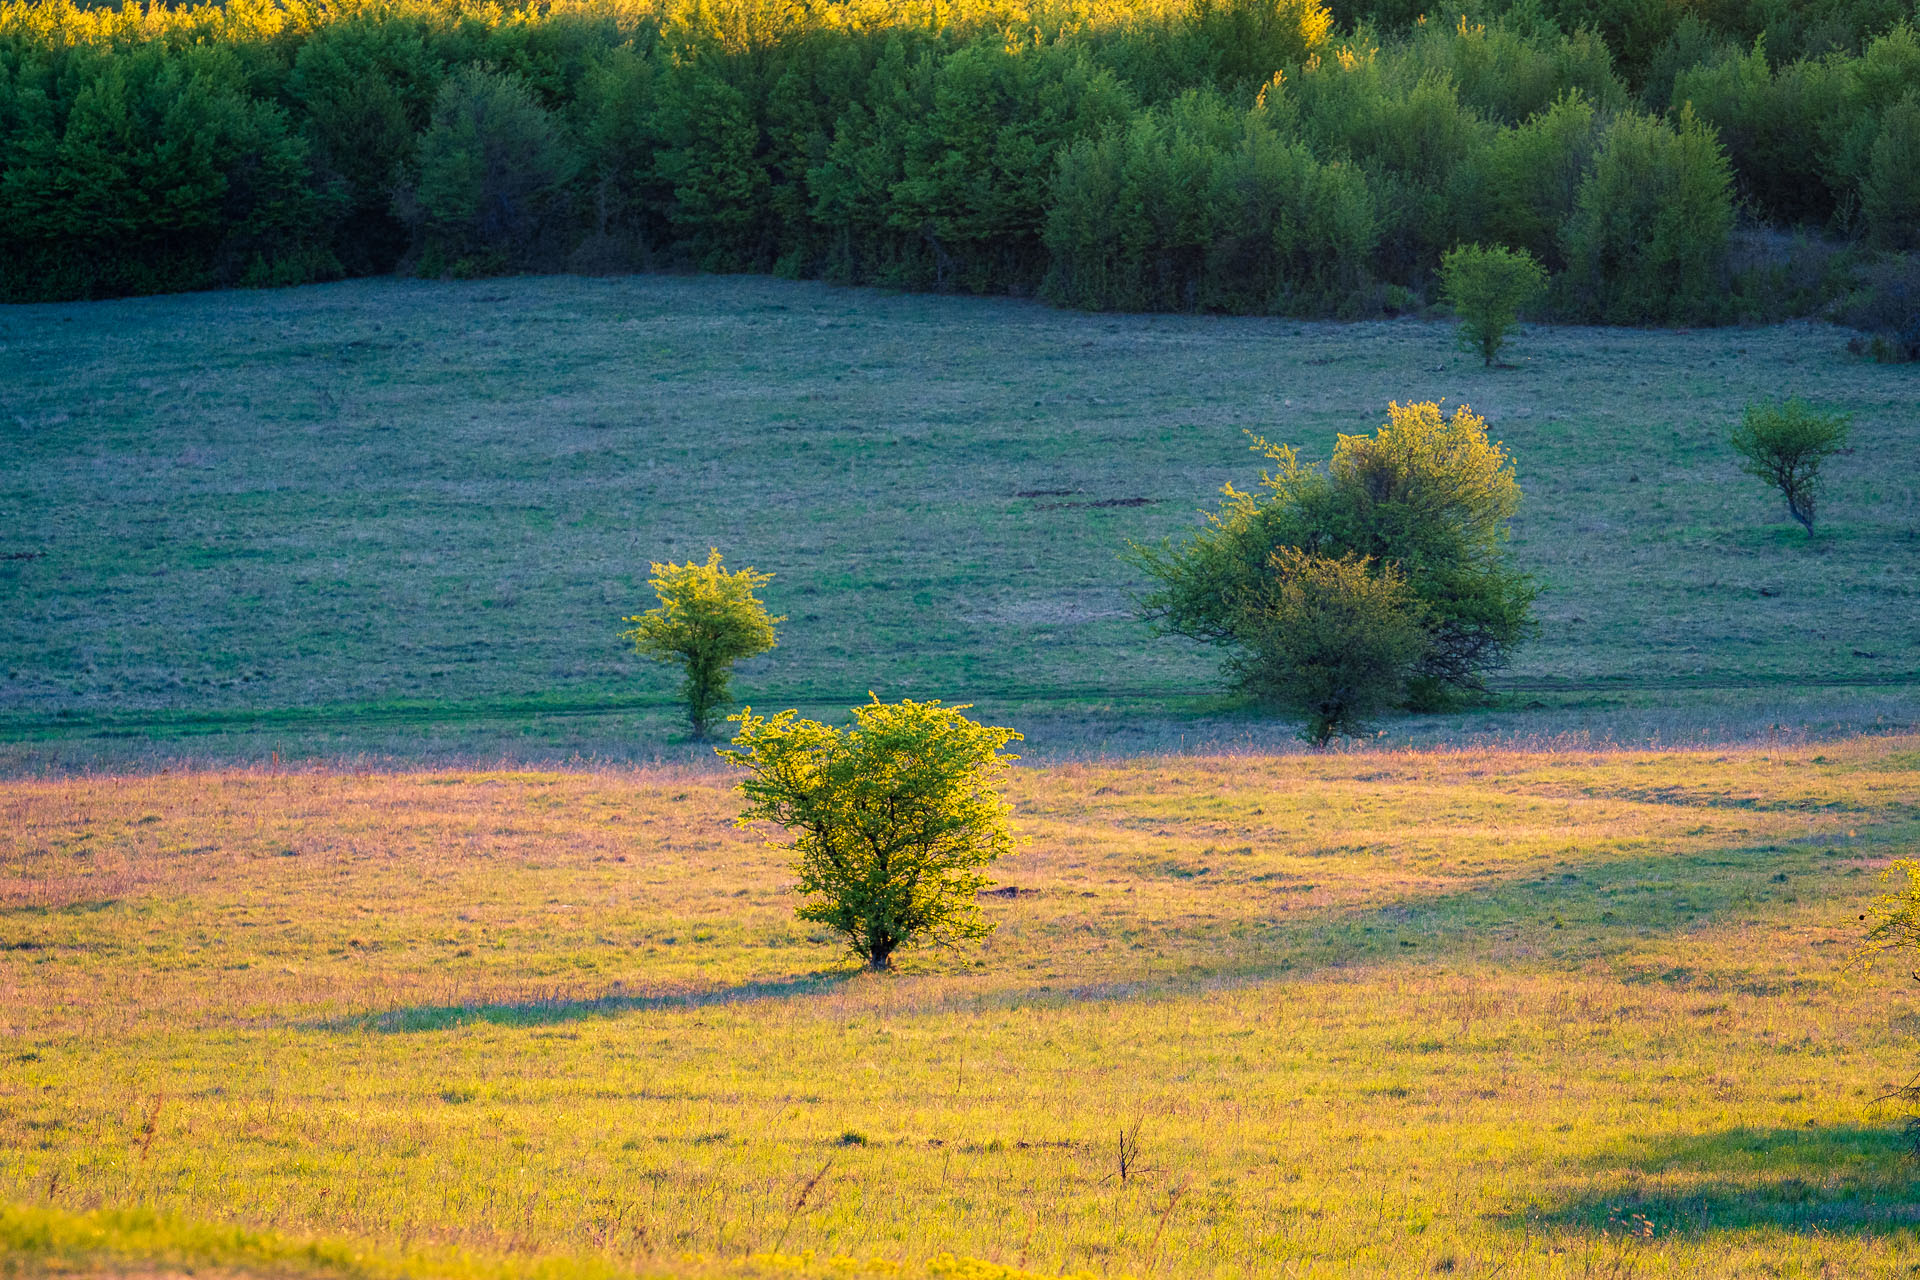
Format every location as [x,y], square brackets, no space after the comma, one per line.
[491,180]
[1894,932]
[1333,639]
[1785,445]
[1229,155]
[890,821]
[1428,496]
[708,619]
[1648,236]
[1488,288]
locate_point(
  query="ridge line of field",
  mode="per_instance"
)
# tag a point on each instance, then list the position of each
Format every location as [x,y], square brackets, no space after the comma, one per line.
[62,723]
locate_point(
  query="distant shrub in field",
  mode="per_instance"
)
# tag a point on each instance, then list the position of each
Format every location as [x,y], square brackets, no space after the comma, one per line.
[1333,639]
[1785,445]
[1648,237]
[890,821]
[708,619]
[1427,497]
[490,190]
[1488,288]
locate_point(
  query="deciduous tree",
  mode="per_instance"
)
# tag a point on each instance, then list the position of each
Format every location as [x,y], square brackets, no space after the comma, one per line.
[1785,445]
[707,620]
[890,821]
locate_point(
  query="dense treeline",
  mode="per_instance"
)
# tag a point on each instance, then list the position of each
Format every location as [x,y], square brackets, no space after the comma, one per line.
[1240,155]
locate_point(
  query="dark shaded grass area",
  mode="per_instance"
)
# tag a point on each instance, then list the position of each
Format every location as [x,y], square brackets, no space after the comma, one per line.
[405,518]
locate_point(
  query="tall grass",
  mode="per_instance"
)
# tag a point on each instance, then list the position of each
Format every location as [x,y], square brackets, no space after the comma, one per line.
[1551,1013]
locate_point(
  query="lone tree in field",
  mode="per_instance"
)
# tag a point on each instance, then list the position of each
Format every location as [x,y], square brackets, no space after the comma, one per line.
[1332,639]
[1785,445]
[1895,932]
[1423,503]
[1488,289]
[890,821]
[707,620]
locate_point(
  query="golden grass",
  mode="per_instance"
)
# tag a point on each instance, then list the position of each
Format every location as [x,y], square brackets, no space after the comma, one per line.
[1382,1013]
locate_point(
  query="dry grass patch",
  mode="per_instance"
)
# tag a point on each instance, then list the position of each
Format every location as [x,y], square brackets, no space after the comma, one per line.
[1470,1012]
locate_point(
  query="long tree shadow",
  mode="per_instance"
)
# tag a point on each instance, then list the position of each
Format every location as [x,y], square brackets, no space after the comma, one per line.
[1842,1179]
[549,1010]
[1572,911]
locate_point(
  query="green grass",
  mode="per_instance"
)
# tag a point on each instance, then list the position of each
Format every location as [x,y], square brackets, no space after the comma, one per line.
[1482,1013]
[405,518]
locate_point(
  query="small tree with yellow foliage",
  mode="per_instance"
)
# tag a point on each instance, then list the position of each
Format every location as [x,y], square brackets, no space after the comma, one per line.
[1895,932]
[890,821]
[708,619]
[1427,498]
[1334,639]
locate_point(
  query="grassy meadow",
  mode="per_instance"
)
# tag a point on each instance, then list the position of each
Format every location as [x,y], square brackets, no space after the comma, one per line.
[406,518]
[1389,1013]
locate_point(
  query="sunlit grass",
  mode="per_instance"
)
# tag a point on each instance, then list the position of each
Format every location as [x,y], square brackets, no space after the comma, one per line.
[1377,1014]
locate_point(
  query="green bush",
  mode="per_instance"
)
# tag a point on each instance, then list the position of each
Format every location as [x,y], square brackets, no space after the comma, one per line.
[975,165]
[365,87]
[1291,233]
[1526,184]
[1648,237]
[162,172]
[891,821]
[1785,445]
[1428,496]
[1132,217]
[1411,135]
[709,164]
[1332,639]
[708,619]
[1488,289]
[1766,120]
[1890,194]
[1509,75]
[490,193]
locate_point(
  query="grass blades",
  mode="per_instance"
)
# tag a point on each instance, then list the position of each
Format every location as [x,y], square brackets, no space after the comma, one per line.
[1474,1012]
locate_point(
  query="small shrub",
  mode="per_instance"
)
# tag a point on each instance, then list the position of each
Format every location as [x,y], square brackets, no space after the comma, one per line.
[890,821]
[1488,289]
[707,620]
[1785,445]
[1334,639]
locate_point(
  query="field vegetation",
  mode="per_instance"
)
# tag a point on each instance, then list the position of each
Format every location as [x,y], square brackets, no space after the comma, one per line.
[1263,156]
[1555,1013]
[407,518]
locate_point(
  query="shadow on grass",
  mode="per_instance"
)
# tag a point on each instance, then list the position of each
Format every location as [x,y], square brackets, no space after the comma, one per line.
[547,1011]
[1845,1179]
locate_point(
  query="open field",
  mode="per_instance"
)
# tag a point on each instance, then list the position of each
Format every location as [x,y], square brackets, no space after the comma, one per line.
[406,518]
[1383,1014]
